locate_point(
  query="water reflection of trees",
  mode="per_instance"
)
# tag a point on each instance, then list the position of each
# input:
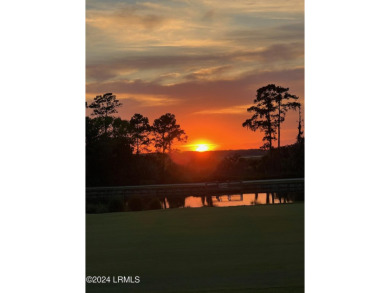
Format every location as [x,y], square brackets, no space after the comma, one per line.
[283,197]
[176,201]
[207,200]
[122,203]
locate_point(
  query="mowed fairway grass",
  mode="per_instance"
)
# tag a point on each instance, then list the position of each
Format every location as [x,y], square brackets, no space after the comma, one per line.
[235,249]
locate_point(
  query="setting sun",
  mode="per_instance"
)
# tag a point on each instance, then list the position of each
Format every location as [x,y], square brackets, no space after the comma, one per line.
[200,145]
[202,148]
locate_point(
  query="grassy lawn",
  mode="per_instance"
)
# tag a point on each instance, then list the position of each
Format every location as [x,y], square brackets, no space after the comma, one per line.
[237,249]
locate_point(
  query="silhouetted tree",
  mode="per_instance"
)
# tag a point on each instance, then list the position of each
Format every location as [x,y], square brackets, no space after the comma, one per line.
[120,128]
[166,131]
[300,132]
[121,134]
[139,131]
[282,97]
[103,106]
[272,103]
[263,117]
[295,106]
[92,130]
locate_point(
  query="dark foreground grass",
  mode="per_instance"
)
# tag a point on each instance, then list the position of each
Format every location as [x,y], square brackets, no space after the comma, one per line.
[250,249]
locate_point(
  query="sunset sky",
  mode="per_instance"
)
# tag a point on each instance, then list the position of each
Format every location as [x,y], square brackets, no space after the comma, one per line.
[201,60]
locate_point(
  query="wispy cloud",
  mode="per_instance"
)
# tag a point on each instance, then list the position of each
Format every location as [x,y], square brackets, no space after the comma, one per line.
[204,65]
[194,95]
[153,101]
[143,100]
[155,34]
[240,109]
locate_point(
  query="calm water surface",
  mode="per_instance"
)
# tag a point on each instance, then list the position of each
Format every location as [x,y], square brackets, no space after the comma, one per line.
[245,199]
[139,203]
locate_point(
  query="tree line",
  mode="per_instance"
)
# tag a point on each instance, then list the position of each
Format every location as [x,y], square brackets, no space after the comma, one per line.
[114,145]
[268,113]
[136,133]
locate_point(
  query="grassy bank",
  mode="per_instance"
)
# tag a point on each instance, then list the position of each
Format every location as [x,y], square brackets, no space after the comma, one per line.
[237,249]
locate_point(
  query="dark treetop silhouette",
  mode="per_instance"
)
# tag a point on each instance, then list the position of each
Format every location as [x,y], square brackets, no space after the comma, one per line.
[140,131]
[103,106]
[166,131]
[271,104]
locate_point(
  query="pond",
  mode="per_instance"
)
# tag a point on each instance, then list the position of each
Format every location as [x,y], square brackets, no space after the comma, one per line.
[245,199]
[139,203]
